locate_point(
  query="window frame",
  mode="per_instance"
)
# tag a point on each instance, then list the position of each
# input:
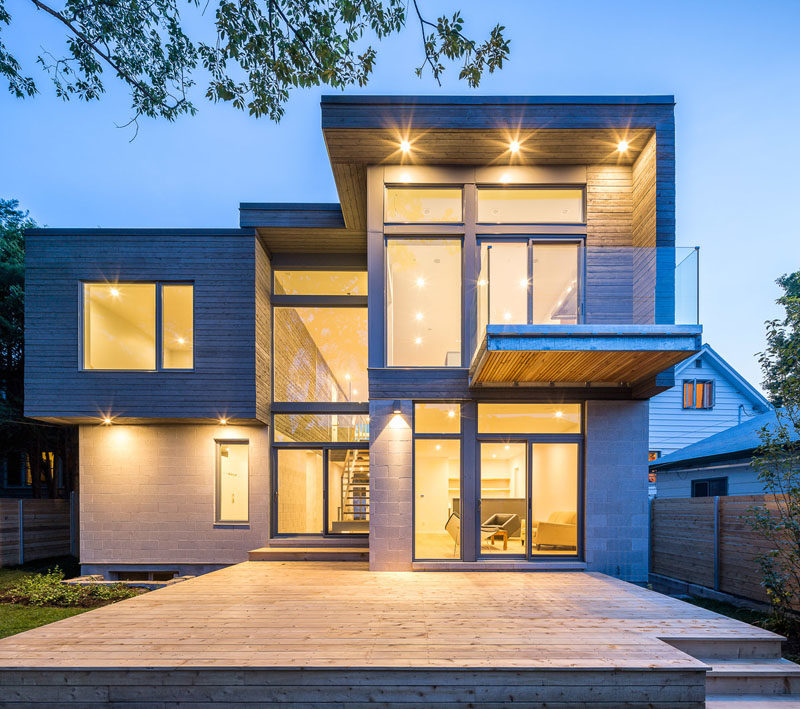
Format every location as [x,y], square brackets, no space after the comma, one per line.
[427,236]
[218,522]
[708,481]
[544,186]
[159,324]
[710,384]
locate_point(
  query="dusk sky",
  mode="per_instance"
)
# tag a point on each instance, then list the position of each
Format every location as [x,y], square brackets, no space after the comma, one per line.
[734,68]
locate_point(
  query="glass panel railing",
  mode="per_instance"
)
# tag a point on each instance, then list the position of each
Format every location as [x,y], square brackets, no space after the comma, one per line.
[551,283]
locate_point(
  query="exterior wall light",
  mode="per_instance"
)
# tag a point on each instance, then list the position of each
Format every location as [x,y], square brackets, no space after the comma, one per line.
[396,407]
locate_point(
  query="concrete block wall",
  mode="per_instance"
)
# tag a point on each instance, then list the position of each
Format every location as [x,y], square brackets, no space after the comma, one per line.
[390,462]
[616,488]
[147,495]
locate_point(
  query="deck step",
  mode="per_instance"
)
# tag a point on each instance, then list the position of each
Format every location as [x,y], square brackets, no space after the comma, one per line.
[309,554]
[752,701]
[732,648]
[752,676]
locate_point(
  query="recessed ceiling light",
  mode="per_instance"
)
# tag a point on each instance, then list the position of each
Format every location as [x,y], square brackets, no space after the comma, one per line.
[451,414]
[419,316]
[420,282]
[405,146]
[559,414]
[438,447]
[181,341]
[513,146]
[223,422]
[507,316]
[107,421]
[508,448]
[622,146]
[417,340]
[347,377]
[114,292]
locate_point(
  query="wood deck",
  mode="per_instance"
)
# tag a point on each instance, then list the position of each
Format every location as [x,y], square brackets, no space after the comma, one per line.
[328,632]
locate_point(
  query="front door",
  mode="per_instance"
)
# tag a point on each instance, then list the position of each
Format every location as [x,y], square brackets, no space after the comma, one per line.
[528,502]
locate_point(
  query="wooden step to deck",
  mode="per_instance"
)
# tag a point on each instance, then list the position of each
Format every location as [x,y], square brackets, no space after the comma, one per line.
[752,701]
[752,677]
[732,648]
[309,554]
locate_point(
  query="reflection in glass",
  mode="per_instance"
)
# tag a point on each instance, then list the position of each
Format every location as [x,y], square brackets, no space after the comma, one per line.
[554,498]
[437,418]
[177,326]
[423,302]
[504,279]
[437,491]
[555,284]
[530,205]
[529,418]
[232,482]
[300,491]
[320,354]
[503,498]
[320,282]
[422,204]
[348,491]
[320,428]
[119,326]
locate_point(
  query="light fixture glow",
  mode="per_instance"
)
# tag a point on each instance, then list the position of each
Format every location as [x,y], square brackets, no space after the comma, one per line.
[559,414]
[507,316]
[622,146]
[507,447]
[347,377]
[482,282]
[396,407]
[419,316]
[513,146]
[405,146]
[451,414]
[438,447]
[494,455]
[223,422]
[523,282]
[417,340]
[420,282]
[107,421]
[355,391]
[181,341]
[114,292]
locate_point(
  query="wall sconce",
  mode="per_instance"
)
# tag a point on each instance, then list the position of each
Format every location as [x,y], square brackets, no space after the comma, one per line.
[396,407]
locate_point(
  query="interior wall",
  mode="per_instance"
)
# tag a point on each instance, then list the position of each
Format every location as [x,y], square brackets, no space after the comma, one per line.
[300,491]
[554,478]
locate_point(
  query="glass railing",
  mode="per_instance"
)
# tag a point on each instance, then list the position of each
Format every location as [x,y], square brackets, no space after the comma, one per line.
[535,283]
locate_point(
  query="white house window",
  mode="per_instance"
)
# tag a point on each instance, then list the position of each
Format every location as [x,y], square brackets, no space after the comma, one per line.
[121,326]
[698,394]
[232,504]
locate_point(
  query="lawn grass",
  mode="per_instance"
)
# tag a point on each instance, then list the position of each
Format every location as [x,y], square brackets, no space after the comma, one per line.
[17,617]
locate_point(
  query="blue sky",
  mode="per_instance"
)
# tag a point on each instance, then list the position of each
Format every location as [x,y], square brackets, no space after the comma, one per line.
[733,66]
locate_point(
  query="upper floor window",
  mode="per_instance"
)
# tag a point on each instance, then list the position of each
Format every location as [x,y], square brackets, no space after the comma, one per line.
[125,325]
[427,205]
[530,205]
[698,394]
[423,302]
[320,282]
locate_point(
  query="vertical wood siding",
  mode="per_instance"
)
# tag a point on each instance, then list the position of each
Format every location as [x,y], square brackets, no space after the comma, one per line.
[263,343]
[222,269]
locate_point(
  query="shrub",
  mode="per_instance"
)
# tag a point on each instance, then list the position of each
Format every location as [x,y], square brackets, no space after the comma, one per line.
[47,589]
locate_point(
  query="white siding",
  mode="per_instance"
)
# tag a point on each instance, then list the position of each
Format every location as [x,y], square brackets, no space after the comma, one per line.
[742,480]
[672,427]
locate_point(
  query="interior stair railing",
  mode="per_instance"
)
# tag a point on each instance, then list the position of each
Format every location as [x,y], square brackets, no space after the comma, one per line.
[355,487]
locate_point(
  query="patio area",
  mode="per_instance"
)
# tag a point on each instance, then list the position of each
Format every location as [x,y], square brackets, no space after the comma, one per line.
[335,634]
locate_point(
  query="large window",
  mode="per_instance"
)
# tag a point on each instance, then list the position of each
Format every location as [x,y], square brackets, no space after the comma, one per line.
[530,281]
[320,354]
[437,481]
[423,302]
[698,394]
[120,326]
[535,205]
[529,418]
[428,205]
[320,283]
[232,482]
[300,491]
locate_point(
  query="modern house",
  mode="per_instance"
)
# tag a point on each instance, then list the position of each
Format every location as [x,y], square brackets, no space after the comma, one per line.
[709,396]
[448,369]
[717,465]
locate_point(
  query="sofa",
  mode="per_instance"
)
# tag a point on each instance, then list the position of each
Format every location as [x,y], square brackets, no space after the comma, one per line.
[559,530]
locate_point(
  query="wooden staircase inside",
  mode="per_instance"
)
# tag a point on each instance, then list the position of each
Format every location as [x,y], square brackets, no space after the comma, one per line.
[745,672]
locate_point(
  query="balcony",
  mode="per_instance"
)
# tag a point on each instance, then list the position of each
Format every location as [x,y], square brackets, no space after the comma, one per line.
[563,314]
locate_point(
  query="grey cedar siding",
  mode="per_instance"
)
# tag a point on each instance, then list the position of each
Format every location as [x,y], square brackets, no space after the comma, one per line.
[742,479]
[222,267]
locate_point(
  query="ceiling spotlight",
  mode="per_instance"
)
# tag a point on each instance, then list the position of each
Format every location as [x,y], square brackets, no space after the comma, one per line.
[405,146]
[181,341]
[622,146]
[115,292]
[420,282]
[507,447]
[451,414]
[355,391]
[559,414]
[223,422]
[513,146]
[438,447]
[419,316]
[507,316]
[482,282]
[523,282]
[347,377]
[107,421]
[494,455]
[417,340]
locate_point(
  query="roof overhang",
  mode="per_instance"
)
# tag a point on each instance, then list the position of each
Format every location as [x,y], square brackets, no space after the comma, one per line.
[476,131]
[589,355]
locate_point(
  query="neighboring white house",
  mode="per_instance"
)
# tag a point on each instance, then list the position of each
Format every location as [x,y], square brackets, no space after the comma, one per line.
[709,396]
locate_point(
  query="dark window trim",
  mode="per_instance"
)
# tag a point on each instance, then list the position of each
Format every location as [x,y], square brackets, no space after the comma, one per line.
[159,324]
[722,478]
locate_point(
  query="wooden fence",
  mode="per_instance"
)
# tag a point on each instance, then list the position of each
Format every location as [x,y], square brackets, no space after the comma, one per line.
[36,529]
[707,541]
